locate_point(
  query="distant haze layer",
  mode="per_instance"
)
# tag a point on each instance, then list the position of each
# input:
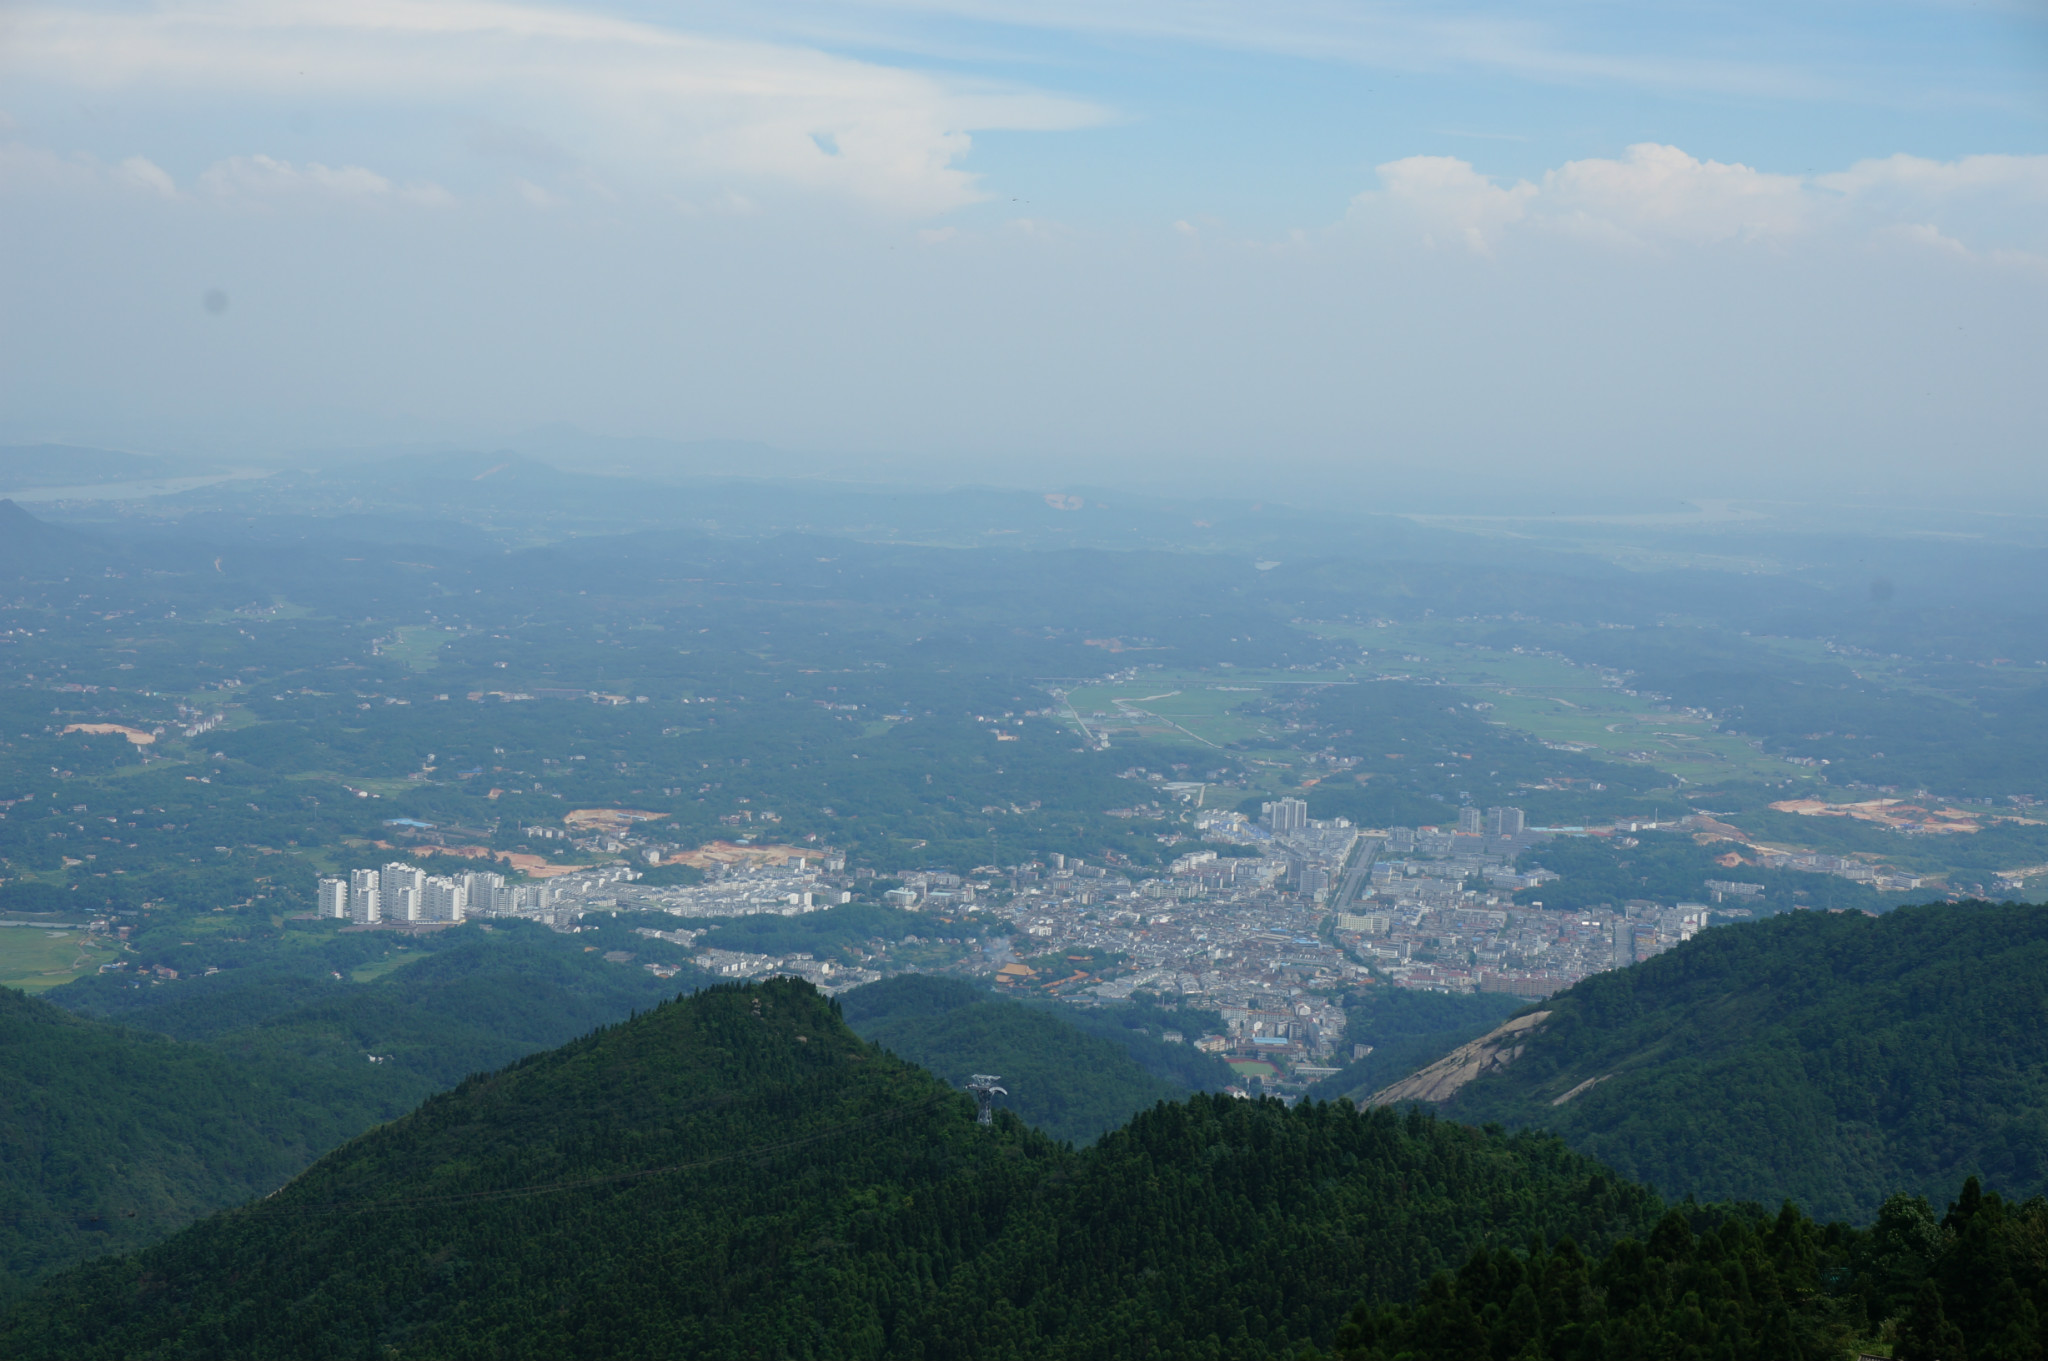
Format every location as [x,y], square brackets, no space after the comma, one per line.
[1736,251]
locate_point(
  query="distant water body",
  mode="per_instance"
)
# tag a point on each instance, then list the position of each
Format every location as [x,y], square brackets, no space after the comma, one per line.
[129,491]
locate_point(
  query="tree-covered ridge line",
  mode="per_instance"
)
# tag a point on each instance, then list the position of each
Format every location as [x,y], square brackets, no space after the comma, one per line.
[901,1229]
[736,1173]
[1069,1078]
[145,1107]
[1831,1058]
[1733,1282]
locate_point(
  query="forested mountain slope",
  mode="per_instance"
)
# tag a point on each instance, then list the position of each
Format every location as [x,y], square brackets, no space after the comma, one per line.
[737,1173]
[452,1003]
[1064,1080]
[1739,1284]
[1831,1058]
[112,1137]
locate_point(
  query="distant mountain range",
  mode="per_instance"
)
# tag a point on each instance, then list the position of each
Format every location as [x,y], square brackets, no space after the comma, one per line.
[26,466]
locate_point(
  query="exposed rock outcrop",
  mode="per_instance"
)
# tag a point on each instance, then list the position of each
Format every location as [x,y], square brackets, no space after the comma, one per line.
[1441,1080]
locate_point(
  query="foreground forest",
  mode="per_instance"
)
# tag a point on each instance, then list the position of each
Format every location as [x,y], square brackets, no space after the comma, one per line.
[737,1173]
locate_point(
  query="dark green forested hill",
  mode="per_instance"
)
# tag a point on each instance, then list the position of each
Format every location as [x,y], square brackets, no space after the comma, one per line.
[1737,1284]
[433,1010]
[112,1136]
[737,1174]
[1829,1058]
[1066,1081]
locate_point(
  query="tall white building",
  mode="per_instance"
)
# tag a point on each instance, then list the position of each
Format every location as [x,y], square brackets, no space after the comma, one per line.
[1285,815]
[487,892]
[1471,821]
[443,899]
[334,898]
[365,897]
[401,885]
[1504,821]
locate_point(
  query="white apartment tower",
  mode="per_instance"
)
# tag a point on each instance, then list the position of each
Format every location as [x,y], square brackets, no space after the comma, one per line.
[334,898]
[1285,815]
[401,886]
[487,892]
[443,900]
[365,897]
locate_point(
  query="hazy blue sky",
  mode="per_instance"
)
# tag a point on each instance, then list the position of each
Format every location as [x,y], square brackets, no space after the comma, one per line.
[1713,248]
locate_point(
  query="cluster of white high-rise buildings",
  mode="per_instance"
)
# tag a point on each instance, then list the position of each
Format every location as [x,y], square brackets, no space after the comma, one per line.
[402,893]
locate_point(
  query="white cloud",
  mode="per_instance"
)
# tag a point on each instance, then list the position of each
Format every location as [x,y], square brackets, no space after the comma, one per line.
[1659,198]
[1389,34]
[146,174]
[264,177]
[535,196]
[1656,192]
[1449,199]
[669,104]
[1916,176]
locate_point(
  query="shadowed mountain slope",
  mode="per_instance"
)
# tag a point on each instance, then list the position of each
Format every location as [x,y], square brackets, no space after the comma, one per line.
[1832,1058]
[738,1174]
[1061,1079]
[110,1138]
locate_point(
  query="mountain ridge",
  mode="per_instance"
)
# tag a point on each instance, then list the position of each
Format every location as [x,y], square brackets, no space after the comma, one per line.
[1829,1058]
[737,1173]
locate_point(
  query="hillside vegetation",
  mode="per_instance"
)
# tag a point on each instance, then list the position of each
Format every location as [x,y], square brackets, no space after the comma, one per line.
[738,1174]
[1829,1058]
[209,1091]
[1736,1283]
[1072,1084]
[109,1138]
